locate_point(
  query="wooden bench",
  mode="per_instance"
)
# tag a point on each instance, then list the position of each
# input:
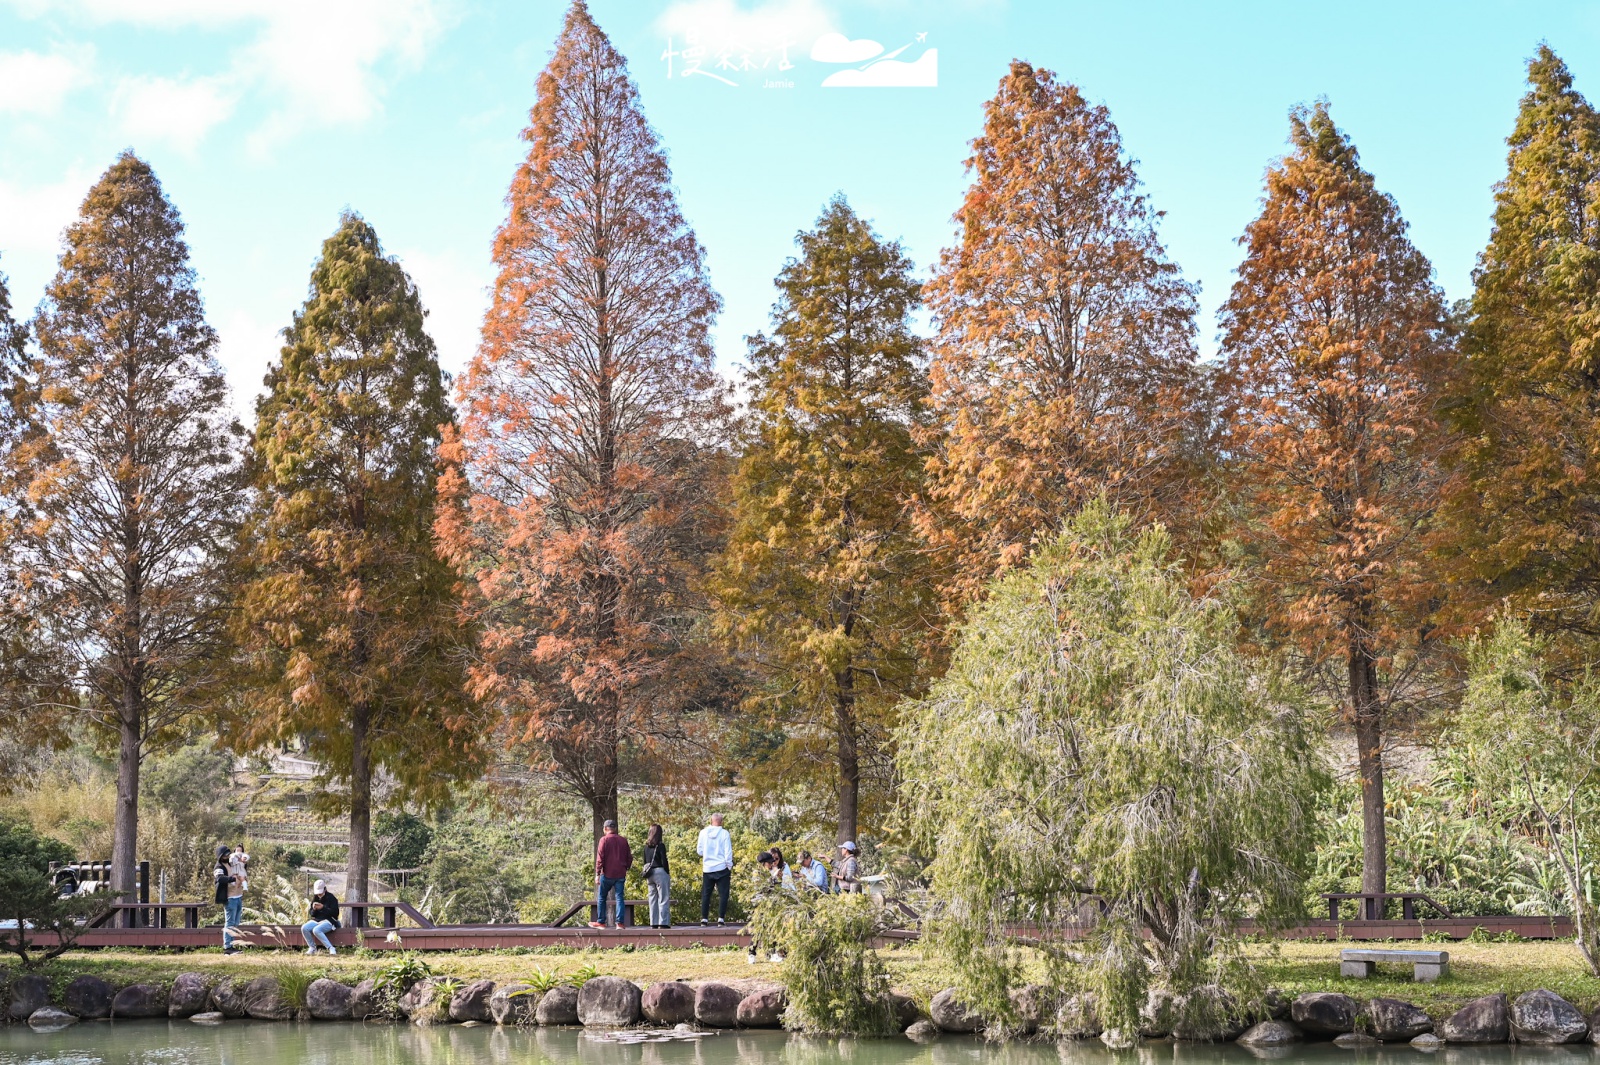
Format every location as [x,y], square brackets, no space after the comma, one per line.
[1426,965]
[631,908]
[148,914]
[1372,904]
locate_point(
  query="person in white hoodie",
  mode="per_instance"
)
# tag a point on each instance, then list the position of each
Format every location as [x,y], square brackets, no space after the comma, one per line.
[715,848]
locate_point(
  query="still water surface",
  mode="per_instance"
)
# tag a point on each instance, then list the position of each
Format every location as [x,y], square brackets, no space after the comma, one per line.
[267,1043]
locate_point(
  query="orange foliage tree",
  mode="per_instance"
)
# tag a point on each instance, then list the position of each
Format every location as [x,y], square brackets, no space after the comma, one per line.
[580,495]
[1063,365]
[1336,351]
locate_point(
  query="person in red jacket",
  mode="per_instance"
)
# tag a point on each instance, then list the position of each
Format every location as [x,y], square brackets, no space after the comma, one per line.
[612,860]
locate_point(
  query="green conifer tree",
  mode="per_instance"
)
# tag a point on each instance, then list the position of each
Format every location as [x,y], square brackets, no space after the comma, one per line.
[348,619]
[821,581]
[1525,512]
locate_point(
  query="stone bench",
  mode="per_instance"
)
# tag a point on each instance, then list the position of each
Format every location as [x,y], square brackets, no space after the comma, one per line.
[1426,965]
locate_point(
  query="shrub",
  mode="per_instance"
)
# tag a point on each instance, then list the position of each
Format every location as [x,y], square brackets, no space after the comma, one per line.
[835,981]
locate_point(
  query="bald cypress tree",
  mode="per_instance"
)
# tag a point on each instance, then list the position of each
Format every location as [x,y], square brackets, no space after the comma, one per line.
[1525,510]
[822,582]
[348,618]
[133,471]
[583,498]
[1337,356]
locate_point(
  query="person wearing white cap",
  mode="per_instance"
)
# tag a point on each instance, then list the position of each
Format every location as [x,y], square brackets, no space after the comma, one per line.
[847,877]
[324,918]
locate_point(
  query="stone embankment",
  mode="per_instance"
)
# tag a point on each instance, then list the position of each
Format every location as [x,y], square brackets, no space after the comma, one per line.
[1536,1017]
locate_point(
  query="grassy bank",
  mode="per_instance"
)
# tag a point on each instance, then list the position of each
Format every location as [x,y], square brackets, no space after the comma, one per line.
[1475,969]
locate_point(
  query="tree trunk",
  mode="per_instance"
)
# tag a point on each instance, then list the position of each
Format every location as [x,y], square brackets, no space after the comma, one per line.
[849,755]
[360,865]
[125,829]
[604,799]
[1368,717]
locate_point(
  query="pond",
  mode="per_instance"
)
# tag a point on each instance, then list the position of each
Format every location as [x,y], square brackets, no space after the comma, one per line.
[267,1043]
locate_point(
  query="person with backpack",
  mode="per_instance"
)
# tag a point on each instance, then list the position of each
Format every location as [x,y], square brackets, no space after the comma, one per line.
[324,918]
[230,896]
[657,878]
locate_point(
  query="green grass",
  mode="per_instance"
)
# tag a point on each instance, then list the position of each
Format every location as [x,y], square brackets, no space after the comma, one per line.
[1475,969]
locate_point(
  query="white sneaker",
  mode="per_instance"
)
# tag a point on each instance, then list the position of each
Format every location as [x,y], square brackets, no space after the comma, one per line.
[310,951]
[332,951]
[776,959]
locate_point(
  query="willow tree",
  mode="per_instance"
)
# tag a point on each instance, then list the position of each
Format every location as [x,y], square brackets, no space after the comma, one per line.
[583,495]
[1337,359]
[348,619]
[1099,745]
[1063,362]
[134,478]
[1533,735]
[1523,513]
[822,585]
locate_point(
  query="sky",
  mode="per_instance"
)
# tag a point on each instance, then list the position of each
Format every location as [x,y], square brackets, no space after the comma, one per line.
[264,119]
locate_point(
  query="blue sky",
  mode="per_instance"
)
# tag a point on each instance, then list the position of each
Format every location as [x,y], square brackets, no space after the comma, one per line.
[265,118]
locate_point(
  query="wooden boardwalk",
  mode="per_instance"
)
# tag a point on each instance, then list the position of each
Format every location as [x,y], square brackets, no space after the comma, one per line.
[582,937]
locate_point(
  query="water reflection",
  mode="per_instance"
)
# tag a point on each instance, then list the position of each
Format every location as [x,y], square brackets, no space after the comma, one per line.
[263,1043]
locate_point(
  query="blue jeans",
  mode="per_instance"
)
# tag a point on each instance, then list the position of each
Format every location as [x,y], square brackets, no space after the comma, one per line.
[232,913]
[320,929]
[609,884]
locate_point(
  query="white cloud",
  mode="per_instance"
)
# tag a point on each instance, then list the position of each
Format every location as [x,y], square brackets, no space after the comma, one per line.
[33,218]
[308,62]
[764,24]
[178,112]
[246,346]
[456,296]
[890,74]
[33,83]
[837,48]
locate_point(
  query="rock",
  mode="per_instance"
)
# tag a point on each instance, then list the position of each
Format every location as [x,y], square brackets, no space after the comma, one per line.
[1483,1020]
[513,1004]
[1206,1014]
[1270,1034]
[905,1010]
[329,1000]
[263,999]
[140,1000]
[558,1006]
[762,1009]
[609,1002]
[471,1003]
[1078,1017]
[1544,1017]
[363,1000]
[208,1017]
[88,997]
[1324,1013]
[1393,1021]
[922,1032]
[29,994]
[425,1003]
[1354,1039]
[1119,1038]
[190,994]
[1278,1004]
[1035,1005]
[951,1014]
[1427,1041]
[227,998]
[50,1019]
[717,1006]
[668,1002]
[1159,1014]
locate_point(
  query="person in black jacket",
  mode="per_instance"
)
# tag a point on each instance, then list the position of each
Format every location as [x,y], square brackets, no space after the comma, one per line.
[324,918]
[230,895]
[657,878]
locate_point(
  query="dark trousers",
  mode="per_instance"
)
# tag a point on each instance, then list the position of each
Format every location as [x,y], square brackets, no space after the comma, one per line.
[720,882]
